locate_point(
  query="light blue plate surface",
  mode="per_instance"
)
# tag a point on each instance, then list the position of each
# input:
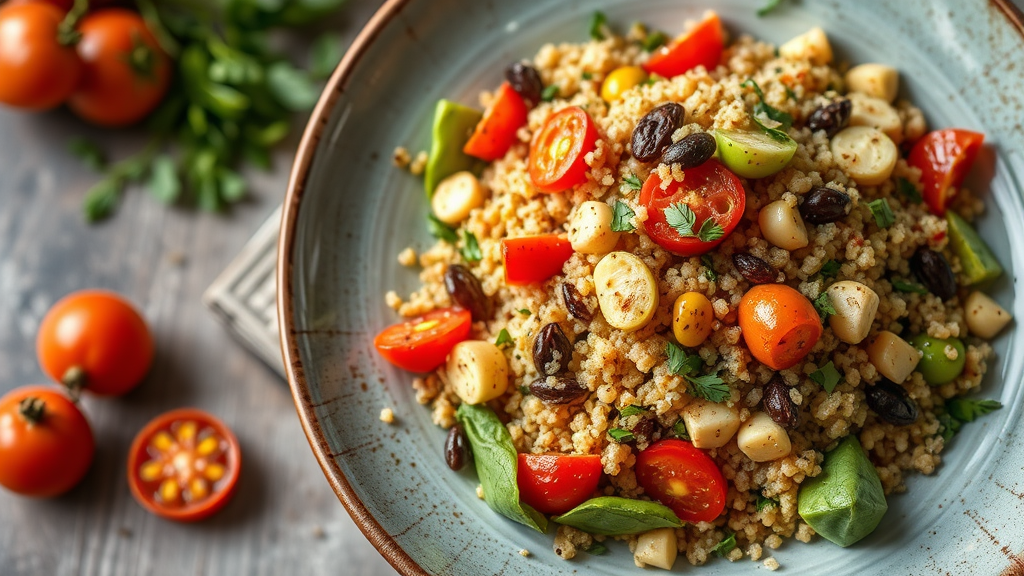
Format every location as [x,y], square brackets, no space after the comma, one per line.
[349,212]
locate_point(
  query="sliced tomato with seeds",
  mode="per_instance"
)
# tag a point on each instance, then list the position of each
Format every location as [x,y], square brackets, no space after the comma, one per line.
[701,46]
[683,478]
[557,483]
[421,344]
[944,158]
[496,131]
[534,258]
[558,152]
[184,465]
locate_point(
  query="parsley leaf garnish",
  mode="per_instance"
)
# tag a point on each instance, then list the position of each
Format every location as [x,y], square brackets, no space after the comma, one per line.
[710,231]
[621,216]
[831,268]
[440,230]
[768,7]
[909,191]
[709,387]
[632,410]
[764,502]
[621,435]
[681,218]
[679,428]
[967,409]
[681,363]
[827,376]
[948,426]
[823,304]
[587,76]
[903,286]
[504,338]
[549,93]
[632,182]
[882,213]
[709,267]
[653,41]
[784,119]
[471,248]
[524,311]
[598,24]
[726,545]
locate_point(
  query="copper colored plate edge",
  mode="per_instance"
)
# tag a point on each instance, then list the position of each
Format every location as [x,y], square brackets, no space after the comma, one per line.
[1012,13]
[374,532]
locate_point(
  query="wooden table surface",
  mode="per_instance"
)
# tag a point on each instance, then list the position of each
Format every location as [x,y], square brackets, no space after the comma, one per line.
[284,519]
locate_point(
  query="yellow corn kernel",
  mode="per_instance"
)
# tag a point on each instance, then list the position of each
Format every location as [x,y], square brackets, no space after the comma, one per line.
[620,80]
[198,489]
[151,471]
[187,432]
[692,319]
[214,472]
[169,490]
[208,446]
[162,441]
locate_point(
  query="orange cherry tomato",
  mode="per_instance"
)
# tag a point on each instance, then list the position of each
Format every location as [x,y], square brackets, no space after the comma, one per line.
[683,478]
[534,258]
[701,46]
[184,465]
[710,190]
[95,340]
[46,444]
[126,72]
[421,344]
[496,132]
[557,483]
[780,325]
[944,158]
[36,71]
[558,152]
[63,5]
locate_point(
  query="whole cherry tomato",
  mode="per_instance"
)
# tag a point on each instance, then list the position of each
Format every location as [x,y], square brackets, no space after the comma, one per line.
[126,71]
[710,191]
[184,465]
[558,152]
[944,158]
[37,72]
[95,340]
[496,132]
[779,325]
[701,46]
[421,344]
[532,259]
[557,483]
[683,478]
[46,444]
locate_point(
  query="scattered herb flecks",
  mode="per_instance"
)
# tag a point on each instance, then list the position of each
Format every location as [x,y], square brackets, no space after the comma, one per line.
[440,230]
[632,410]
[504,339]
[549,93]
[908,287]
[653,41]
[823,304]
[598,25]
[764,502]
[827,376]
[621,435]
[768,7]
[882,212]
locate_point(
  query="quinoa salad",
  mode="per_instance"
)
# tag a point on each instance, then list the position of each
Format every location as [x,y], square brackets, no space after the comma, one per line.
[700,294]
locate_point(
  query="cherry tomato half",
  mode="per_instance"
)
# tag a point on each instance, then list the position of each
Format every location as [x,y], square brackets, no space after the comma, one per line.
[701,46]
[683,478]
[496,131]
[557,483]
[944,158]
[779,324]
[36,71]
[421,344]
[558,151]
[709,190]
[126,71]
[46,444]
[534,258]
[184,465]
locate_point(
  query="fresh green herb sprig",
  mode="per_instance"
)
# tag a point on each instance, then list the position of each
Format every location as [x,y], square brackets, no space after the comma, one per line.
[763,111]
[633,182]
[709,386]
[823,304]
[682,219]
[622,216]
[504,339]
[960,411]
[827,376]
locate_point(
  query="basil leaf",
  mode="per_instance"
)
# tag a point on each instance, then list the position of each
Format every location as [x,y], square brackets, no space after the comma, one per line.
[496,465]
[823,304]
[615,516]
[764,502]
[904,286]
[679,429]
[967,409]
[764,11]
[163,179]
[653,41]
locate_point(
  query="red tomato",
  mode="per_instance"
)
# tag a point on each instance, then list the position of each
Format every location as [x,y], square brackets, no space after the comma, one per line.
[557,483]
[421,344]
[683,478]
[944,157]
[534,258]
[36,71]
[46,444]
[496,132]
[780,326]
[126,71]
[95,340]
[184,465]
[710,190]
[558,151]
[701,46]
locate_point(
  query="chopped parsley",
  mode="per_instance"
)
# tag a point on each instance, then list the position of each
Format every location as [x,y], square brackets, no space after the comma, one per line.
[764,502]
[768,7]
[524,311]
[882,213]
[789,92]
[597,548]
[586,75]
[598,25]
[621,216]
[908,191]
[470,248]
[827,376]
[968,409]
[823,304]
[681,363]
[679,428]
[726,545]
[621,435]
[709,387]
[524,390]
[504,338]
[904,286]
[948,427]
[549,93]
[632,410]
[653,41]
[682,219]
[831,268]
[440,230]
[632,182]
[784,119]
[709,267]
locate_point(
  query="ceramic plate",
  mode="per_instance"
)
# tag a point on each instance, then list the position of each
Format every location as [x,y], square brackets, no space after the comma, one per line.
[349,212]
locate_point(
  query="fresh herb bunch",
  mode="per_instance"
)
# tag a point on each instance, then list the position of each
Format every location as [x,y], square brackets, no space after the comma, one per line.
[233,98]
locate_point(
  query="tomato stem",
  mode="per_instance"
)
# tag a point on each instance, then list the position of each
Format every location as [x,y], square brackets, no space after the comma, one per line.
[75,379]
[67,33]
[32,409]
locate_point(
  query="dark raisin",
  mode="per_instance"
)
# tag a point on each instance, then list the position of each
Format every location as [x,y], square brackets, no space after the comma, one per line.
[831,117]
[654,131]
[778,404]
[823,205]
[574,303]
[892,403]
[526,81]
[934,272]
[560,389]
[755,270]
[466,291]
[643,429]
[552,351]
[456,448]
[691,151]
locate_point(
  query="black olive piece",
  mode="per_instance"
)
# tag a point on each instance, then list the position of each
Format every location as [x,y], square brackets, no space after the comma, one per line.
[552,351]
[559,389]
[779,405]
[654,131]
[465,289]
[526,81]
[892,403]
[754,269]
[934,272]
[691,151]
[574,303]
[823,205]
[456,448]
[831,117]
